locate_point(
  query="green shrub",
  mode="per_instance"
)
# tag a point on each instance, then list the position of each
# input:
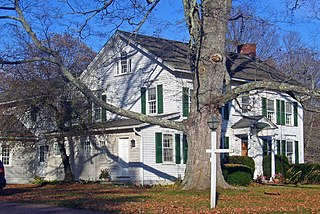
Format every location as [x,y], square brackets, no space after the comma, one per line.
[243,160]
[304,173]
[239,175]
[282,165]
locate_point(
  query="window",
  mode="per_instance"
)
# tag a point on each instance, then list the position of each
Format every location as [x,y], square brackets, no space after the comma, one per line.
[186,101]
[245,104]
[102,145]
[42,151]
[167,148]
[56,149]
[5,155]
[99,114]
[34,113]
[270,109]
[86,148]
[288,113]
[289,151]
[152,100]
[124,65]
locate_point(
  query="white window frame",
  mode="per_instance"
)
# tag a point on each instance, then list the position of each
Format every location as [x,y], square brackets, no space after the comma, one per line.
[103,146]
[86,148]
[56,149]
[123,64]
[6,155]
[168,146]
[245,107]
[152,101]
[288,113]
[290,150]
[271,112]
[96,112]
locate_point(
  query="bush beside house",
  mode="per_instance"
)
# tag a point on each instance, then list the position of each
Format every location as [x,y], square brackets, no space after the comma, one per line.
[303,173]
[282,165]
[238,170]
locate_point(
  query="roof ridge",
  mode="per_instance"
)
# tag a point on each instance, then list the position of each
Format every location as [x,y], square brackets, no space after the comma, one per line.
[152,37]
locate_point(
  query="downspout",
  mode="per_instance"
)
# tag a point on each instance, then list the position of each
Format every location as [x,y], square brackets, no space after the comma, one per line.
[141,156]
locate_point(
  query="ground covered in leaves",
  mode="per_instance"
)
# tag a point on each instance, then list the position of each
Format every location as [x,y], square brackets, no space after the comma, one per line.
[169,199]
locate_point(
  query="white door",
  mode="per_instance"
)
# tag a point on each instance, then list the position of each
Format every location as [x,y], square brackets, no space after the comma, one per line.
[123,159]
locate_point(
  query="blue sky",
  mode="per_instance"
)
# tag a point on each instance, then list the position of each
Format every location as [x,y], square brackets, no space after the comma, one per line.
[169,24]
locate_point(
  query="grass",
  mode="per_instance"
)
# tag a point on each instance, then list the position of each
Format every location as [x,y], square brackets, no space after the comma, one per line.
[168,199]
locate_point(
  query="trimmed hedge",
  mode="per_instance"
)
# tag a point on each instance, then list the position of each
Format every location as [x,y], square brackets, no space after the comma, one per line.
[282,165]
[304,173]
[242,160]
[237,174]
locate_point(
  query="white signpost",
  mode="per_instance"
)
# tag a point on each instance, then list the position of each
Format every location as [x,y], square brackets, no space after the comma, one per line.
[213,160]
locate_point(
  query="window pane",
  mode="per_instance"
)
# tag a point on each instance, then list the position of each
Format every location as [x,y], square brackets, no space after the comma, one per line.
[124,66]
[6,155]
[152,96]
[289,150]
[288,108]
[245,100]
[270,105]
[167,147]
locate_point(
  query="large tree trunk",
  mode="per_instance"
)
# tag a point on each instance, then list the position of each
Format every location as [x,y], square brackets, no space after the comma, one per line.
[210,75]
[68,174]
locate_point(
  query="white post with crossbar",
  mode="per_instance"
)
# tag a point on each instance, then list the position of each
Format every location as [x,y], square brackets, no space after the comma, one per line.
[213,160]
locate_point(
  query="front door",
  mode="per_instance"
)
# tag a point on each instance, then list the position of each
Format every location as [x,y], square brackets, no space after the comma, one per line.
[244,147]
[123,158]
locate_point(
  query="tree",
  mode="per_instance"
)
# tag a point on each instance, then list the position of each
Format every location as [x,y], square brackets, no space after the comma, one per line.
[207,22]
[42,90]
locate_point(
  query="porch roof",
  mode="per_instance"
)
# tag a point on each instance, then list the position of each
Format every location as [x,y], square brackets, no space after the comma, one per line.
[259,122]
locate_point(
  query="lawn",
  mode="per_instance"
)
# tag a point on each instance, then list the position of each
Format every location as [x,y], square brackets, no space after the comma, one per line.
[102,197]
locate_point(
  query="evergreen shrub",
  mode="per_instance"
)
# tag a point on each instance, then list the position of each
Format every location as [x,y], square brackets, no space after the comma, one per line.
[282,165]
[243,160]
[237,174]
[304,173]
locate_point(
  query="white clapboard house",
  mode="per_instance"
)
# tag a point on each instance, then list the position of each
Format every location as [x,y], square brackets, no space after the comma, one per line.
[152,76]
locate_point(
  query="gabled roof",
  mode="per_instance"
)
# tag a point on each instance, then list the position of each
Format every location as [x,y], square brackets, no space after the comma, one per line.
[259,122]
[176,54]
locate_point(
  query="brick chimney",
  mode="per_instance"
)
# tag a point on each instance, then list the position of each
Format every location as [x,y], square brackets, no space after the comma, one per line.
[247,49]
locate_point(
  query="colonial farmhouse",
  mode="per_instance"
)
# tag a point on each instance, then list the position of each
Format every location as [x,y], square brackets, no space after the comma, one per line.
[152,76]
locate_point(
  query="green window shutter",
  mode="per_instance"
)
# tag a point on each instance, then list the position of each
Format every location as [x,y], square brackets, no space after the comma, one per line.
[264,147]
[143,100]
[185,148]
[283,112]
[158,147]
[160,98]
[296,151]
[295,114]
[104,111]
[185,102]
[90,112]
[278,147]
[278,112]
[264,106]
[283,147]
[226,145]
[178,153]
[226,111]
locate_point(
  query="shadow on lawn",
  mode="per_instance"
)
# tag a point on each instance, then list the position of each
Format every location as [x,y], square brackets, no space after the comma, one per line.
[13,191]
[110,204]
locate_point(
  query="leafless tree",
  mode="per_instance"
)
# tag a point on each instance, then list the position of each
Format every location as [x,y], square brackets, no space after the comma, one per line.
[207,22]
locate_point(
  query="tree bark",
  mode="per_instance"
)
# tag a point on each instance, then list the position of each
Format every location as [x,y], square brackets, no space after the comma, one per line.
[209,77]
[68,174]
